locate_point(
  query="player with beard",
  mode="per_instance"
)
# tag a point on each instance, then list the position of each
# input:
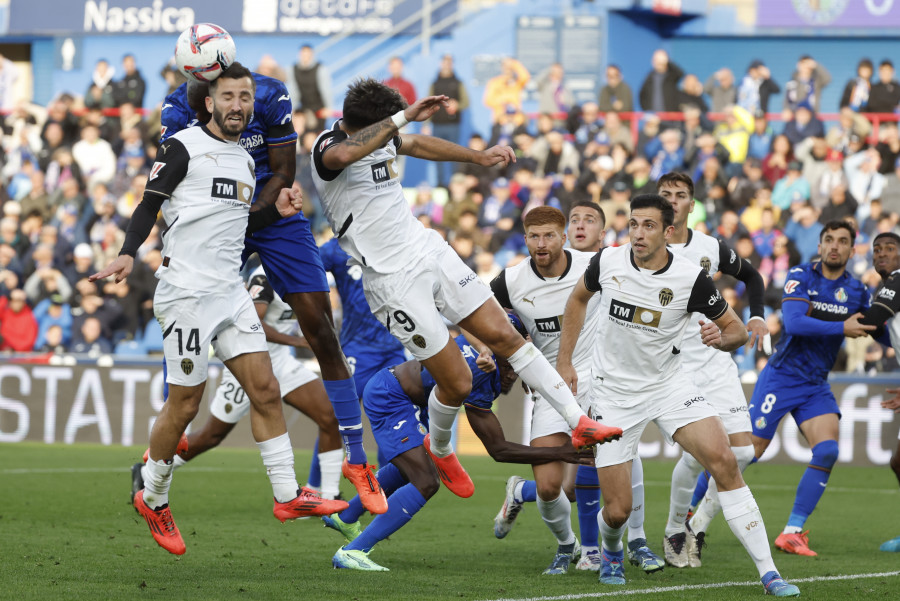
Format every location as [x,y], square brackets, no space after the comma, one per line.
[822,304]
[207,180]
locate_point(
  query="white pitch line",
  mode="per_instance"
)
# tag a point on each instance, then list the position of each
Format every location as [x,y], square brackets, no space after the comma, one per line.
[694,587]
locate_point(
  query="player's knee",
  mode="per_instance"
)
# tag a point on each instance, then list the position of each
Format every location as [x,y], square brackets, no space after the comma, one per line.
[616,514]
[691,462]
[429,487]
[456,390]
[825,454]
[724,469]
[548,491]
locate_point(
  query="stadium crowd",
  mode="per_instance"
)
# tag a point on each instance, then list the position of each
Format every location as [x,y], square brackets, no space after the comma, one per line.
[73,171]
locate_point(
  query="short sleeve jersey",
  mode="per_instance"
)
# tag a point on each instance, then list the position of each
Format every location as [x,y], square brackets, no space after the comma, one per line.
[365,206]
[358,325]
[208,184]
[270,125]
[485,386]
[279,314]
[810,358]
[643,318]
[540,303]
[888,296]
[711,255]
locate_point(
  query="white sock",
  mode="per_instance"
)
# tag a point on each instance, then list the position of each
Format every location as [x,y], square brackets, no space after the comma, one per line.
[330,466]
[536,371]
[743,517]
[177,461]
[710,507]
[610,538]
[636,519]
[684,478]
[441,419]
[157,480]
[557,514]
[278,457]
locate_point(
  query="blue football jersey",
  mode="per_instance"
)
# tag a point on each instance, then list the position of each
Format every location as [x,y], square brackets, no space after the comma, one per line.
[812,357]
[358,326]
[270,125]
[485,386]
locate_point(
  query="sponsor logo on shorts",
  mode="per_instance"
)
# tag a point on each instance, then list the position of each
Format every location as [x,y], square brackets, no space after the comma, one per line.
[706,264]
[641,317]
[696,399]
[548,324]
[739,409]
[419,341]
[187,366]
[469,278]
[665,296]
[761,423]
[400,424]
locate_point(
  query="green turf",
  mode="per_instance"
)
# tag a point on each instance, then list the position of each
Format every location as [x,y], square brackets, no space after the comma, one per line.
[68,532]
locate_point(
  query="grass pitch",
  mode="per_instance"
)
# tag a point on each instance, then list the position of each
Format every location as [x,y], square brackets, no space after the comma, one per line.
[68,532]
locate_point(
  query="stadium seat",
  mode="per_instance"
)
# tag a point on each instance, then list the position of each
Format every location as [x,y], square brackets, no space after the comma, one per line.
[129,348]
[153,339]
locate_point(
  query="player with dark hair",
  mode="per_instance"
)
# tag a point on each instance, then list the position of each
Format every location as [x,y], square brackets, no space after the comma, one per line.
[587,226]
[290,256]
[648,295]
[395,402]
[206,180]
[713,373]
[411,276]
[818,298]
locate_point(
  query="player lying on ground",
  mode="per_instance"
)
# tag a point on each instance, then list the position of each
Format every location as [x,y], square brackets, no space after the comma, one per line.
[411,276]
[647,296]
[208,181]
[395,402]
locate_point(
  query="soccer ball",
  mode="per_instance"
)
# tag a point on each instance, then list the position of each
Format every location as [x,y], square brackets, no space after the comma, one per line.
[203,51]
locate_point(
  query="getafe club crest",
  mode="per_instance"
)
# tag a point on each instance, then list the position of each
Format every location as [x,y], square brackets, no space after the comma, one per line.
[665,296]
[840,295]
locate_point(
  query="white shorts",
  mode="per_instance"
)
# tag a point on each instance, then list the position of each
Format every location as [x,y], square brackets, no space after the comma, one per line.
[724,392]
[410,302]
[192,320]
[671,407]
[231,403]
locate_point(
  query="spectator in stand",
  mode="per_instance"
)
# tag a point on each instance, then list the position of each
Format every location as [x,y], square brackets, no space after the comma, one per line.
[172,76]
[82,264]
[840,206]
[541,195]
[745,250]
[890,196]
[806,84]
[9,75]
[695,125]
[764,237]
[269,67]
[832,177]
[53,342]
[791,188]
[869,226]
[504,91]
[721,90]
[507,126]
[567,191]
[864,180]
[618,133]
[43,276]
[756,88]
[734,135]
[730,228]
[615,95]
[555,154]
[53,312]
[101,92]
[849,124]
[129,120]
[751,217]
[11,236]
[107,128]
[554,94]
[617,232]
[130,300]
[88,340]
[813,154]
[398,82]
[706,147]
[311,88]
[649,132]
[91,304]
[478,178]
[659,92]
[665,153]
[18,327]
[585,123]
[52,136]
[711,189]
[692,94]
[619,198]
[459,199]
[803,230]
[95,156]
[857,91]
[498,206]
[775,268]
[425,204]
[804,124]
[58,112]
[760,141]
[885,95]
[132,86]
[744,187]
[445,123]
[888,146]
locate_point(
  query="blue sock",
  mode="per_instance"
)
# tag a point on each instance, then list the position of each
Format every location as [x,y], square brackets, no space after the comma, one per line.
[315,474]
[587,498]
[390,479]
[529,491]
[813,482]
[382,460]
[402,506]
[700,488]
[345,402]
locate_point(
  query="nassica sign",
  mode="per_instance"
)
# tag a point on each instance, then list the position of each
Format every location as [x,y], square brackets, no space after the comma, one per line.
[831,14]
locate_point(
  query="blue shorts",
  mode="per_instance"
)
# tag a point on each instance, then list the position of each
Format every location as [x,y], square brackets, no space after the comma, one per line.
[395,419]
[366,361]
[777,393]
[289,255]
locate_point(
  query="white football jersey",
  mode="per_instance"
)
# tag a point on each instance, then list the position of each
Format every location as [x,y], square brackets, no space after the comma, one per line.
[279,314]
[888,296]
[208,183]
[540,303]
[365,206]
[643,316]
[712,256]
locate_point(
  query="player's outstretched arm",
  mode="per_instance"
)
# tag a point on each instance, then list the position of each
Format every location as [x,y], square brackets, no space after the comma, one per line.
[725,333]
[435,149]
[488,429]
[573,320]
[142,221]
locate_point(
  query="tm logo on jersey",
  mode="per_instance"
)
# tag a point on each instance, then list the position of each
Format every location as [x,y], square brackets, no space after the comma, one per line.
[229,189]
[383,172]
[633,316]
[549,325]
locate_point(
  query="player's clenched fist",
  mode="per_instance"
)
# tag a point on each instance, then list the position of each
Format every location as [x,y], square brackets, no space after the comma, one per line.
[710,334]
[290,201]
